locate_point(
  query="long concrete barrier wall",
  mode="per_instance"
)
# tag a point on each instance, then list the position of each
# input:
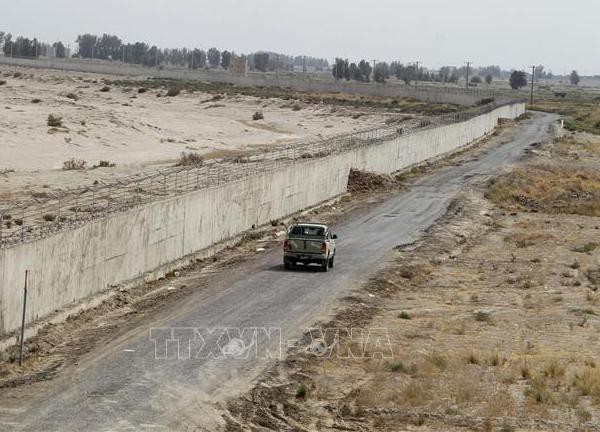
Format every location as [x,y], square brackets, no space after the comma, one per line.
[74,264]
[428,94]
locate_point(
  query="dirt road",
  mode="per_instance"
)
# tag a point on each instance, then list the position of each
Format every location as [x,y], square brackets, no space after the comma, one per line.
[124,386]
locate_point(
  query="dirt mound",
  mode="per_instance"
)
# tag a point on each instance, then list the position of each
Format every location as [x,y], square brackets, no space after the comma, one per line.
[363,181]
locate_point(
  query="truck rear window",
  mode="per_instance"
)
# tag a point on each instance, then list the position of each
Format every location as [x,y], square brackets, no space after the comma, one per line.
[307,231]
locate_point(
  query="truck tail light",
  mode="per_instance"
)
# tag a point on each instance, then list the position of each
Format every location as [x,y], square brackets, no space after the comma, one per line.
[324,247]
[286,245]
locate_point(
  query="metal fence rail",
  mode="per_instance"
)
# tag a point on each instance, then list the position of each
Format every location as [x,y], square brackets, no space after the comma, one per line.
[38,218]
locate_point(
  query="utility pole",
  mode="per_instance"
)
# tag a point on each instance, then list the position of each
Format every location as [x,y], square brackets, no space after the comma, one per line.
[123,58]
[374,66]
[532,81]
[468,66]
[156,58]
[417,73]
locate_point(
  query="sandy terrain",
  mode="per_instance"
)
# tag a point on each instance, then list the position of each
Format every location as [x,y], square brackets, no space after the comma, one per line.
[138,131]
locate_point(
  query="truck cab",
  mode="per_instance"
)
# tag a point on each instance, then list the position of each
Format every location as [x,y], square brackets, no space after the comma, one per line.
[309,243]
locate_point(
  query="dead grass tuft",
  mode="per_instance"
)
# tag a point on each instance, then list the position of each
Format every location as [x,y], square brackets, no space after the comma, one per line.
[54,121]
[190,159]
[74,164]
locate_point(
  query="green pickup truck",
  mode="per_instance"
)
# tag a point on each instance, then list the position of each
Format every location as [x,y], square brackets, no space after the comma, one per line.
[309,243]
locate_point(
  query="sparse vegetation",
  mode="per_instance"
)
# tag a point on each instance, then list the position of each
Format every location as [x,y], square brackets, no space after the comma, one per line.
[2,82]
[191,158]
[173,91]
[105,89]
[301,392]
[105,164]
[549,189]
[398,367]
[72,96]
[49,217]
[54,121]
[74,164]
[404,315]
[586,248]
[258,115]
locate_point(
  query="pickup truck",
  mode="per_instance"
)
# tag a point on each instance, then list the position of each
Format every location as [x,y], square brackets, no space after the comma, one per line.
[309,243]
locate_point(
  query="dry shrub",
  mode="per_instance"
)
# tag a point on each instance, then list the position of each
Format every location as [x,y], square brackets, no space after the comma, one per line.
[549,189]
[49,217]
[258,115]
[105,89]
[587,382]
[172,92]
[74,164]
[105,164]
[189,159]
[524,240]
[54,121]
[72,96]
[2,82]
[415,394]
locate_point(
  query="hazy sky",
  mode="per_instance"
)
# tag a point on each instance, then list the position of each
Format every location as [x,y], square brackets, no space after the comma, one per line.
[512,33]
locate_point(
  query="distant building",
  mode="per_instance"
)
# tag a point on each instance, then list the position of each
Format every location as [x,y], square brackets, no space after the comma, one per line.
[239,65]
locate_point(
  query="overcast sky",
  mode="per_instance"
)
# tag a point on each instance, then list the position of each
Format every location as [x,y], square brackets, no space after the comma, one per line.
[511,33]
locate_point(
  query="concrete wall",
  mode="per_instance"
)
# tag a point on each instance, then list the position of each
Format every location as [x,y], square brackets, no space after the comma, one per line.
[428,94]
[74,264]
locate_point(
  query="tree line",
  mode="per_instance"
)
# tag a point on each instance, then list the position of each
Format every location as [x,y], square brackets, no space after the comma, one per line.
[363,71]
[112,47]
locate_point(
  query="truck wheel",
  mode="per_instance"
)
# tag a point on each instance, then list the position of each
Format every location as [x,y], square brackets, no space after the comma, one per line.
[325,265]
[286,264]
[331,261]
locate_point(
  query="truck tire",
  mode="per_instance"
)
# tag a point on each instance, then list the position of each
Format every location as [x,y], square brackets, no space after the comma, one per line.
[286,264]
[331,261]
[325,265]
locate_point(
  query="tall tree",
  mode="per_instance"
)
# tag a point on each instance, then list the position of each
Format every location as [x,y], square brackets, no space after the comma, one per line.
[108,47]
[197,59]
[59,49]
[355,73]
[574,78]
[365,69]
[489,78]
[341,69]
[225,59]
[8,45]
[214,57]
[87,45]
[539,72]
[380,72]
[261,61]
[517,80]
